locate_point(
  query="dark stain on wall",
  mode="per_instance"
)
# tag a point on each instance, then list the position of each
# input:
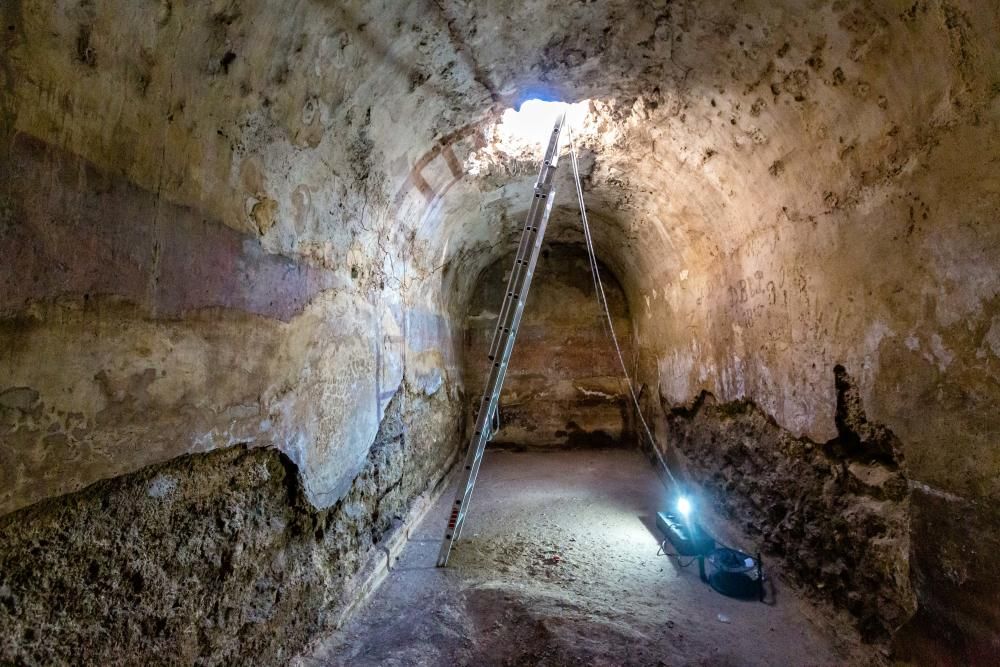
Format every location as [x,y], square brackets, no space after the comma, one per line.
[955,545]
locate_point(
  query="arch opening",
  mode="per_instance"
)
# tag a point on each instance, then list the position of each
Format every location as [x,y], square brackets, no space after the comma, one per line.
[564,386]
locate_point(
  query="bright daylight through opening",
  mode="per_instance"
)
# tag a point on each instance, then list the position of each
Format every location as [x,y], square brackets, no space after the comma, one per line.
[530,125]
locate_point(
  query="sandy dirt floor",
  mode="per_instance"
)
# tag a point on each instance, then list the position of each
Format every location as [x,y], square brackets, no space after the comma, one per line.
[558,565]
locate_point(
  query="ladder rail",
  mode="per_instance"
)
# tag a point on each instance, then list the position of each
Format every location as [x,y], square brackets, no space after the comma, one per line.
[474,471]
[513,279]
[474,456]
[537,200]
[504,335]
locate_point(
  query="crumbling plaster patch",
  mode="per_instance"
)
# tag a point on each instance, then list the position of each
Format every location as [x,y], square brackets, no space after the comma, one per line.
[339,378]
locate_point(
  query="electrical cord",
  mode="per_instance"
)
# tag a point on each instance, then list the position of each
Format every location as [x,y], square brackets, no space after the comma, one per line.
[603,302]
[662,551]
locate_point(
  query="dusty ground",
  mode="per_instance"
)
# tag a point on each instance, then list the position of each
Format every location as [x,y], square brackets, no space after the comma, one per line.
[609,600]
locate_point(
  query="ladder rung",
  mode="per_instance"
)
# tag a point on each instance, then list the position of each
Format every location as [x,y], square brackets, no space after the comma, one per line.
[505,333]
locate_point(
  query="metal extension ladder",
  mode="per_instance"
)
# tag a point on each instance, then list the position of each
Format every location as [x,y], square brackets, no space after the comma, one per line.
[487,422]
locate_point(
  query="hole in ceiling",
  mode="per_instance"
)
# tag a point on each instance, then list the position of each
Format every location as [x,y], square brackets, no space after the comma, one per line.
[532,122]
[523,133]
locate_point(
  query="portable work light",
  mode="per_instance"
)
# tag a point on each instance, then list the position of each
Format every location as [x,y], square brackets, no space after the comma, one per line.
[684,533]
[684,507]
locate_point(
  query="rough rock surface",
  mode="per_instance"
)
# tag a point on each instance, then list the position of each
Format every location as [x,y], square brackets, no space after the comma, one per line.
[836,513]
[954,575]
[564,384]
[214,558]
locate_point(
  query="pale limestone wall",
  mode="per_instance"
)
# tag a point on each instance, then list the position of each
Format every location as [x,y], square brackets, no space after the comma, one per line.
[137,327]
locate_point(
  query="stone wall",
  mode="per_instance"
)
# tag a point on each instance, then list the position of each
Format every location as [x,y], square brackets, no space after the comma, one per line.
[836,513]
[202,438]
[953,558]
[135,330]
[214,558]
[564,385]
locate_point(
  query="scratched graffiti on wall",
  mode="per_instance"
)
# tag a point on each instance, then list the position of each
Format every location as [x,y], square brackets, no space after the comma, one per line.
[752,297]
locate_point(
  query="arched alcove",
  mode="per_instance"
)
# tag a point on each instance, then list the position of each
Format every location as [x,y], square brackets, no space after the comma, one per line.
[564,386]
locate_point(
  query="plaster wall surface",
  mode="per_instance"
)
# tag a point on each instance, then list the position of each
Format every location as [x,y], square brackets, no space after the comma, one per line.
[209,558]
[163,340]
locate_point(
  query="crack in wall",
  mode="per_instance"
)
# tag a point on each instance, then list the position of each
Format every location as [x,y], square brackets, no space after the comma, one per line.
[837,514]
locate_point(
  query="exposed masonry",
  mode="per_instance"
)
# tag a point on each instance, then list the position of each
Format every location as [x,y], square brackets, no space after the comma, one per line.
[563,386]
[837,513]
[213,558]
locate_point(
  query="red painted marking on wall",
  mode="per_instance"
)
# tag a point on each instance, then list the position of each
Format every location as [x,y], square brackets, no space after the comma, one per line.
[415,178]
[421,184]
[107,243]
[453,164]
